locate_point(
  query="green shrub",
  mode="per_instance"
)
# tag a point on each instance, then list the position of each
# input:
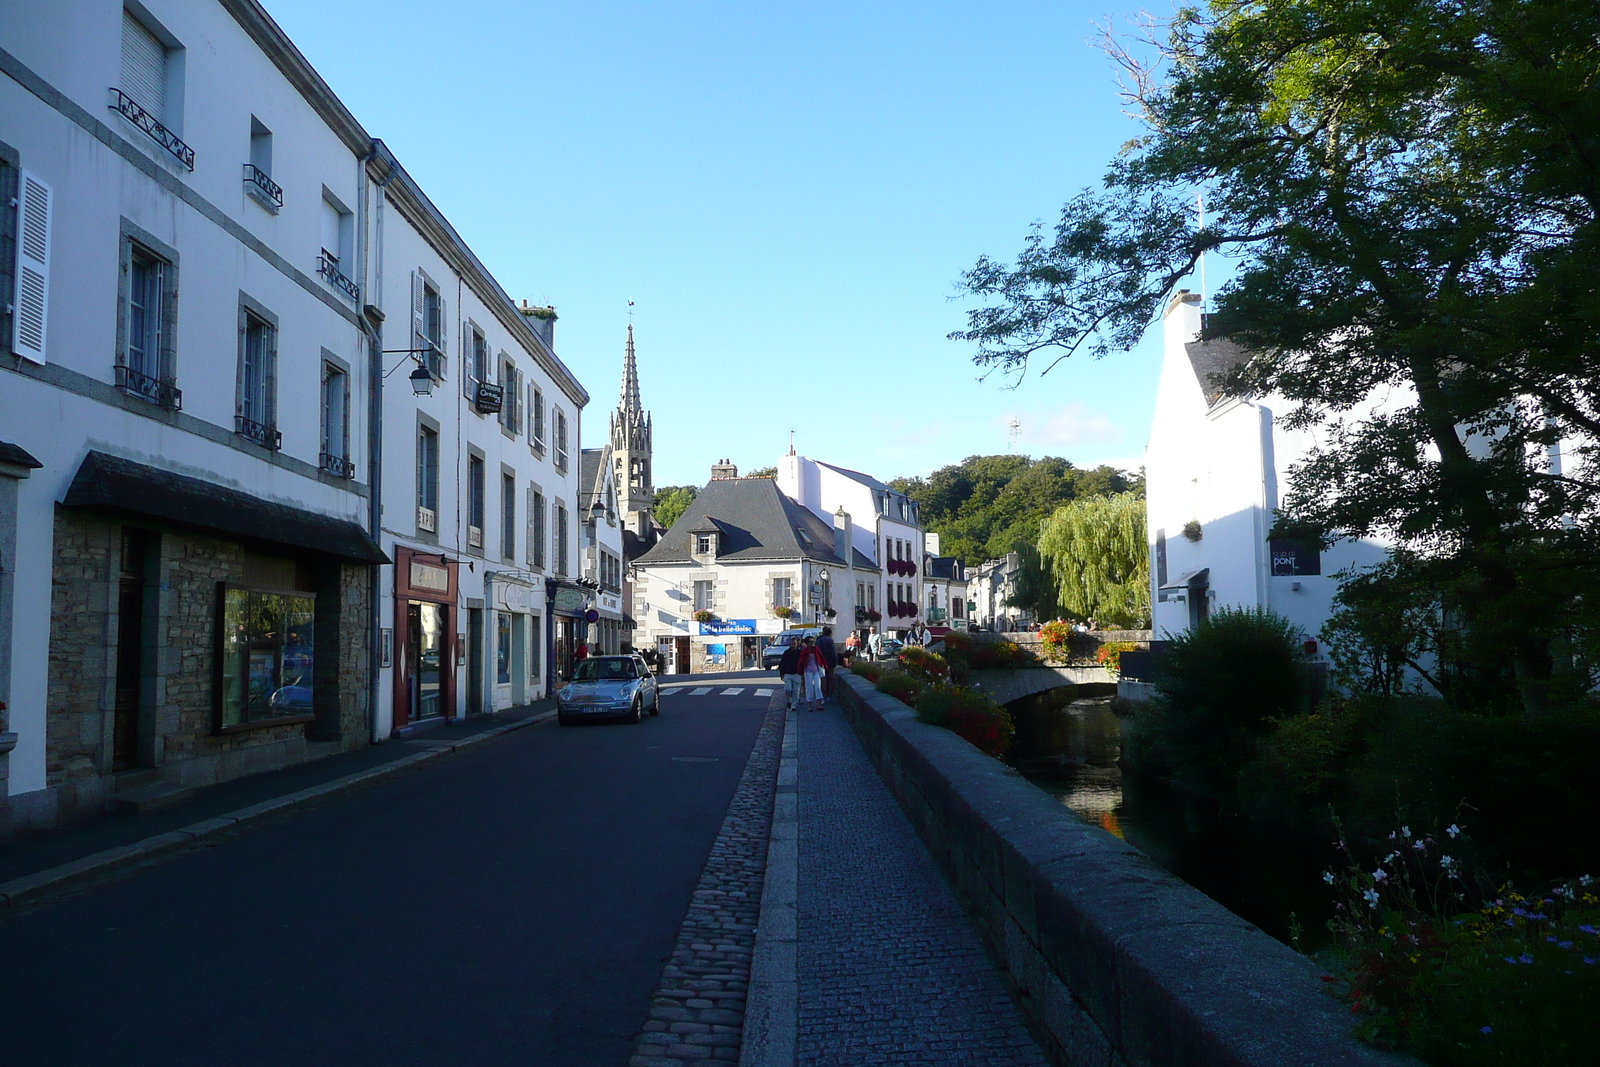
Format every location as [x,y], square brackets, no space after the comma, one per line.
[970,715]
[1000,655]
[866,669]
[1221,686]
[902,686]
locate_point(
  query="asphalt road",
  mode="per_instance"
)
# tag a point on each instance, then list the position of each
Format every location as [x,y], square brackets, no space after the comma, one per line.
[510,904]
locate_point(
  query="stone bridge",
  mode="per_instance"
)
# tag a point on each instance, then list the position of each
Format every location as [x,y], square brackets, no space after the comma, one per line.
[1004,686]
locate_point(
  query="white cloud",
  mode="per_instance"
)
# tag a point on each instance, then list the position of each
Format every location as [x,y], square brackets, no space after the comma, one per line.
[1074,425]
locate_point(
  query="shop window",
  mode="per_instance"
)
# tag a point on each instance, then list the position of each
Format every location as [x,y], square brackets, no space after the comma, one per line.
[266,655]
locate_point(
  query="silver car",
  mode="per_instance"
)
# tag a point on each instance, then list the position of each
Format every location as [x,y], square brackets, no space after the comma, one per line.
[608,687]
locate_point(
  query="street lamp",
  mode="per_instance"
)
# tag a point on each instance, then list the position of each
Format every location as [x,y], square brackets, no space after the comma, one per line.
[421,381]
[822,577]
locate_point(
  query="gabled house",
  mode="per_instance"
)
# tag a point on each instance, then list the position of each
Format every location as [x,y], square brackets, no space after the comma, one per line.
[742,564]
[600,541]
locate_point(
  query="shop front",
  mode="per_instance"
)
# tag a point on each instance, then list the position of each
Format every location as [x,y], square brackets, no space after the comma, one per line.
[568,626]
[424,637]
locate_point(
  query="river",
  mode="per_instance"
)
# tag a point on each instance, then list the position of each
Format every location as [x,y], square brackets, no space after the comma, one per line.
[1261,872]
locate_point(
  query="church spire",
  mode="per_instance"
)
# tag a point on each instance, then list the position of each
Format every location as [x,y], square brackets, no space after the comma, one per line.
[630,402]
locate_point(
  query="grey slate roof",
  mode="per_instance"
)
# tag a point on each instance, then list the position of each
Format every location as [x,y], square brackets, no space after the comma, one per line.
[943,567]
[756,521]
[1212,361]
[591,475]
[17,456]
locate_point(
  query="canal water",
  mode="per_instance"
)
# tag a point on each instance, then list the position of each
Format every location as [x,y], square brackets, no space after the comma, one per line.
[1069,744]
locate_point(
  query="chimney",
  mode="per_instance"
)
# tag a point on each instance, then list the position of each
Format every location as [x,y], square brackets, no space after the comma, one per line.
[931,539]
[723,469]
[842,536]
[543,321]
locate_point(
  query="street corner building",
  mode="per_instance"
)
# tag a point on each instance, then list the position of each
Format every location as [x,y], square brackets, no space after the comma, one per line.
[226,311]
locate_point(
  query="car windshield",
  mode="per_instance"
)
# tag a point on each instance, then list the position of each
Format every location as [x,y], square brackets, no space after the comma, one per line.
[605,670]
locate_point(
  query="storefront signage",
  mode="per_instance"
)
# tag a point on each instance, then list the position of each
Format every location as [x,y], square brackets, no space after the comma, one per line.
[728,628]
[569,600]
[429,576]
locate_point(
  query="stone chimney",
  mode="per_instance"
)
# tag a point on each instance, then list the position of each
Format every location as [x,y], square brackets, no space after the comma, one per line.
[723,469]
[543,321]
[842,538]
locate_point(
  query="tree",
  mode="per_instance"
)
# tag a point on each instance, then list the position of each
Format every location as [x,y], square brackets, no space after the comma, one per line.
[1095,549]
[1411,190]
[764,472]
[1034,587]
[672,501]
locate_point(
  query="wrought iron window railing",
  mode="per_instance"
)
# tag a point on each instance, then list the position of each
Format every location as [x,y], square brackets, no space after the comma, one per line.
[259,185]
[130,110]
[259,432]
[330,272]
[338,466]
[156,390]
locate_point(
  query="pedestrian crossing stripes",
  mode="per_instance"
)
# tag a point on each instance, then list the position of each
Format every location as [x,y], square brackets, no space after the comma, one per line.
[732,692]
[763,692]
[702,691]
[705,690]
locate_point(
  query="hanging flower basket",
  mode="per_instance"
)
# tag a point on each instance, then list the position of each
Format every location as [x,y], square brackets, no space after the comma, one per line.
[873,615]
[783,612]
[704,616]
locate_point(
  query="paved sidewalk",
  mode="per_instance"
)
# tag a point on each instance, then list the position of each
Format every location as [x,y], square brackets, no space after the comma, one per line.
[889,968]
[74,842]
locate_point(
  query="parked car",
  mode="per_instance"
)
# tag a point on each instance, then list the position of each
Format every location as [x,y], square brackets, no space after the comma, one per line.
[890,648]
[774,652]
[608,687]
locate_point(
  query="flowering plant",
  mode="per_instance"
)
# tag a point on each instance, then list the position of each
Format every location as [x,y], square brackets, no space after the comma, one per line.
[783,611]
[1109,654]
[704,616]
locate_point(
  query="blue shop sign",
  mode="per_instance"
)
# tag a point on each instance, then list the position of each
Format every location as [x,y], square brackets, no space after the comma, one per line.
[728,628]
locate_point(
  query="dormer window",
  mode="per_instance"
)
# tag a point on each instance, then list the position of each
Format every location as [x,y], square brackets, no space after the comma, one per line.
[704,544]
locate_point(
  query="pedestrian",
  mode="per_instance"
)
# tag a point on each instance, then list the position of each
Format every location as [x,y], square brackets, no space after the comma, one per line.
[830,654]
[918,635]
[582,653]
[813,668]
[852,645]
[789,668]
[874,643]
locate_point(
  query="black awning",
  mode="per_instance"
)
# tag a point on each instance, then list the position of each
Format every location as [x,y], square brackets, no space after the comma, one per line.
[105,481]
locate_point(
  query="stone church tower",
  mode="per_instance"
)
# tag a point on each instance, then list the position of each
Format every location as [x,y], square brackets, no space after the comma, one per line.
[630,448]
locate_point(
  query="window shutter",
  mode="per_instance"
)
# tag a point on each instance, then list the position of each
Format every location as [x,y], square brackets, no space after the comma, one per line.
[32,298]
[419,332]
[144,67]
[444,327]
[469,369]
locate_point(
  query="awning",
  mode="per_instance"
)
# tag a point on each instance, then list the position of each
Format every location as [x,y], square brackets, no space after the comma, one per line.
[112,483]
[1186,580]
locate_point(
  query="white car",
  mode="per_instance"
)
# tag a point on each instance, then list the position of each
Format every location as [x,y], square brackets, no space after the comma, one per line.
[608,687]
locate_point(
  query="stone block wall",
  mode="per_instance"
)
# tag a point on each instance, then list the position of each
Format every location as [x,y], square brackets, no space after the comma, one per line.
[176,721]
[1117,961]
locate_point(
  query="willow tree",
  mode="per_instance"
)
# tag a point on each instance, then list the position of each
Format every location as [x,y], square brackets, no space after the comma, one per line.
[1096,550]
[1410,192]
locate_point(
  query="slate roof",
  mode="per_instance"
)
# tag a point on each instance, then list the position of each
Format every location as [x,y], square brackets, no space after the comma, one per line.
[116,484]
[756,521]
[1212,361]
[943,567]
[591,475]
[17,456]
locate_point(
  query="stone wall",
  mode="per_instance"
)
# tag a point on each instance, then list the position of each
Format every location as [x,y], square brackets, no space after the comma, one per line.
[1117,961]
[176,720]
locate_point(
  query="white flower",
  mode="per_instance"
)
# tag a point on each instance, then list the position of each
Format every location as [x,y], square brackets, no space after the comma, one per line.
[1452,829]
[1327,876]
[1391,857]
[1421,846]
[1371,896]
[1446,861]
[1405,831]
[1380,875]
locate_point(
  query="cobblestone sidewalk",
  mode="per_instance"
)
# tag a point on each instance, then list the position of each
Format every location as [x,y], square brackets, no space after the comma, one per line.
[890,969]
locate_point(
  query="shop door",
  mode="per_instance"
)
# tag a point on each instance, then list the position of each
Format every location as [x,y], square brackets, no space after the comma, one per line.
[474,661]
[425,632]
[683,655]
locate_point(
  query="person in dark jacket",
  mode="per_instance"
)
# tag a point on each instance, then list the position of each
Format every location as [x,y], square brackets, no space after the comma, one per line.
[830,655]
[789,668]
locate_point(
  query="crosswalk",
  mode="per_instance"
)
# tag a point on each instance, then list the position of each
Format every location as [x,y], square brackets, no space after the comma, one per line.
[706,690]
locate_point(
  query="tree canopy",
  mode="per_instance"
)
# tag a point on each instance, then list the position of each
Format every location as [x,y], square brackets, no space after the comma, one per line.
[1095,549]
[672,501]
[1410,190]
[986,506]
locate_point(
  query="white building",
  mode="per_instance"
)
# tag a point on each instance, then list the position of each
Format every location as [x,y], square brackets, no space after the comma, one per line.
[944,589]
[887,532]
[185,565]
[481,480]
[601,538]
[990,585]
[1214,468]
[750,562]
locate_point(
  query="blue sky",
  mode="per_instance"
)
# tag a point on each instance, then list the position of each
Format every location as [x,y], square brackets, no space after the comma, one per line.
[788,193]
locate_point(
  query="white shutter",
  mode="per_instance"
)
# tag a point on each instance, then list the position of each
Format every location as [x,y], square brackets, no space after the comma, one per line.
[32,299]
[469,370]
[419,332]
[144,67]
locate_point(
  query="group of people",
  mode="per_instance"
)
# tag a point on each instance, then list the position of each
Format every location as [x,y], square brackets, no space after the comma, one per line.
[807,668]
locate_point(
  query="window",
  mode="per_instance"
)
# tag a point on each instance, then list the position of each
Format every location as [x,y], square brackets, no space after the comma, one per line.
[535,648]
[8,244]
[861,594]
[704,544]
[561,539]
[265,646]
[535,528]
[427,323]
[144,352]
[475,489]
[783,592]
[502,649]
[256,415]
[511,391]
[338,234]
[258,172]
[1161,557]
[427,479]
[561,440]
[477,369]
[508,517]
[536,415]
[336,421]
[703,595]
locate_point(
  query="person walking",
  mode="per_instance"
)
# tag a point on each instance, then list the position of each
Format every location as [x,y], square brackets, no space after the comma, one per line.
[813,668]
[830,655]
[852,645]
[789,668]
[874,644]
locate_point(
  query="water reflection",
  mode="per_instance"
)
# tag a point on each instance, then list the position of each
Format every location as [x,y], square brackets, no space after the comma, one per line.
[1069,742]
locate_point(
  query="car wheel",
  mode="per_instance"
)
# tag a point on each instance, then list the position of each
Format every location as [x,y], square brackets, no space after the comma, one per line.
[636,715]
[655,706]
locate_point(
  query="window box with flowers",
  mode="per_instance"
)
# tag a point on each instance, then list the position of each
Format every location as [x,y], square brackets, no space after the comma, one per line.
[704,615]
[783,612]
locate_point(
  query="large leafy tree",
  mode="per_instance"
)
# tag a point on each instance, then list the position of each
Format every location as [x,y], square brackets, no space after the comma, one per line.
[1096,552]
[1411,192]
[671,501]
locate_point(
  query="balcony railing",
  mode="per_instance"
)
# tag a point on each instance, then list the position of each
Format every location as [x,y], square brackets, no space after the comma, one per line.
[936,614]
[338,466]
[130,110]
[259,432]
[329,269]
[259,185]
[156,390]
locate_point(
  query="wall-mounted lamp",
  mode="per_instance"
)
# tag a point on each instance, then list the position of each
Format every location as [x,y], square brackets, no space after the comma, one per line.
[421,381]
